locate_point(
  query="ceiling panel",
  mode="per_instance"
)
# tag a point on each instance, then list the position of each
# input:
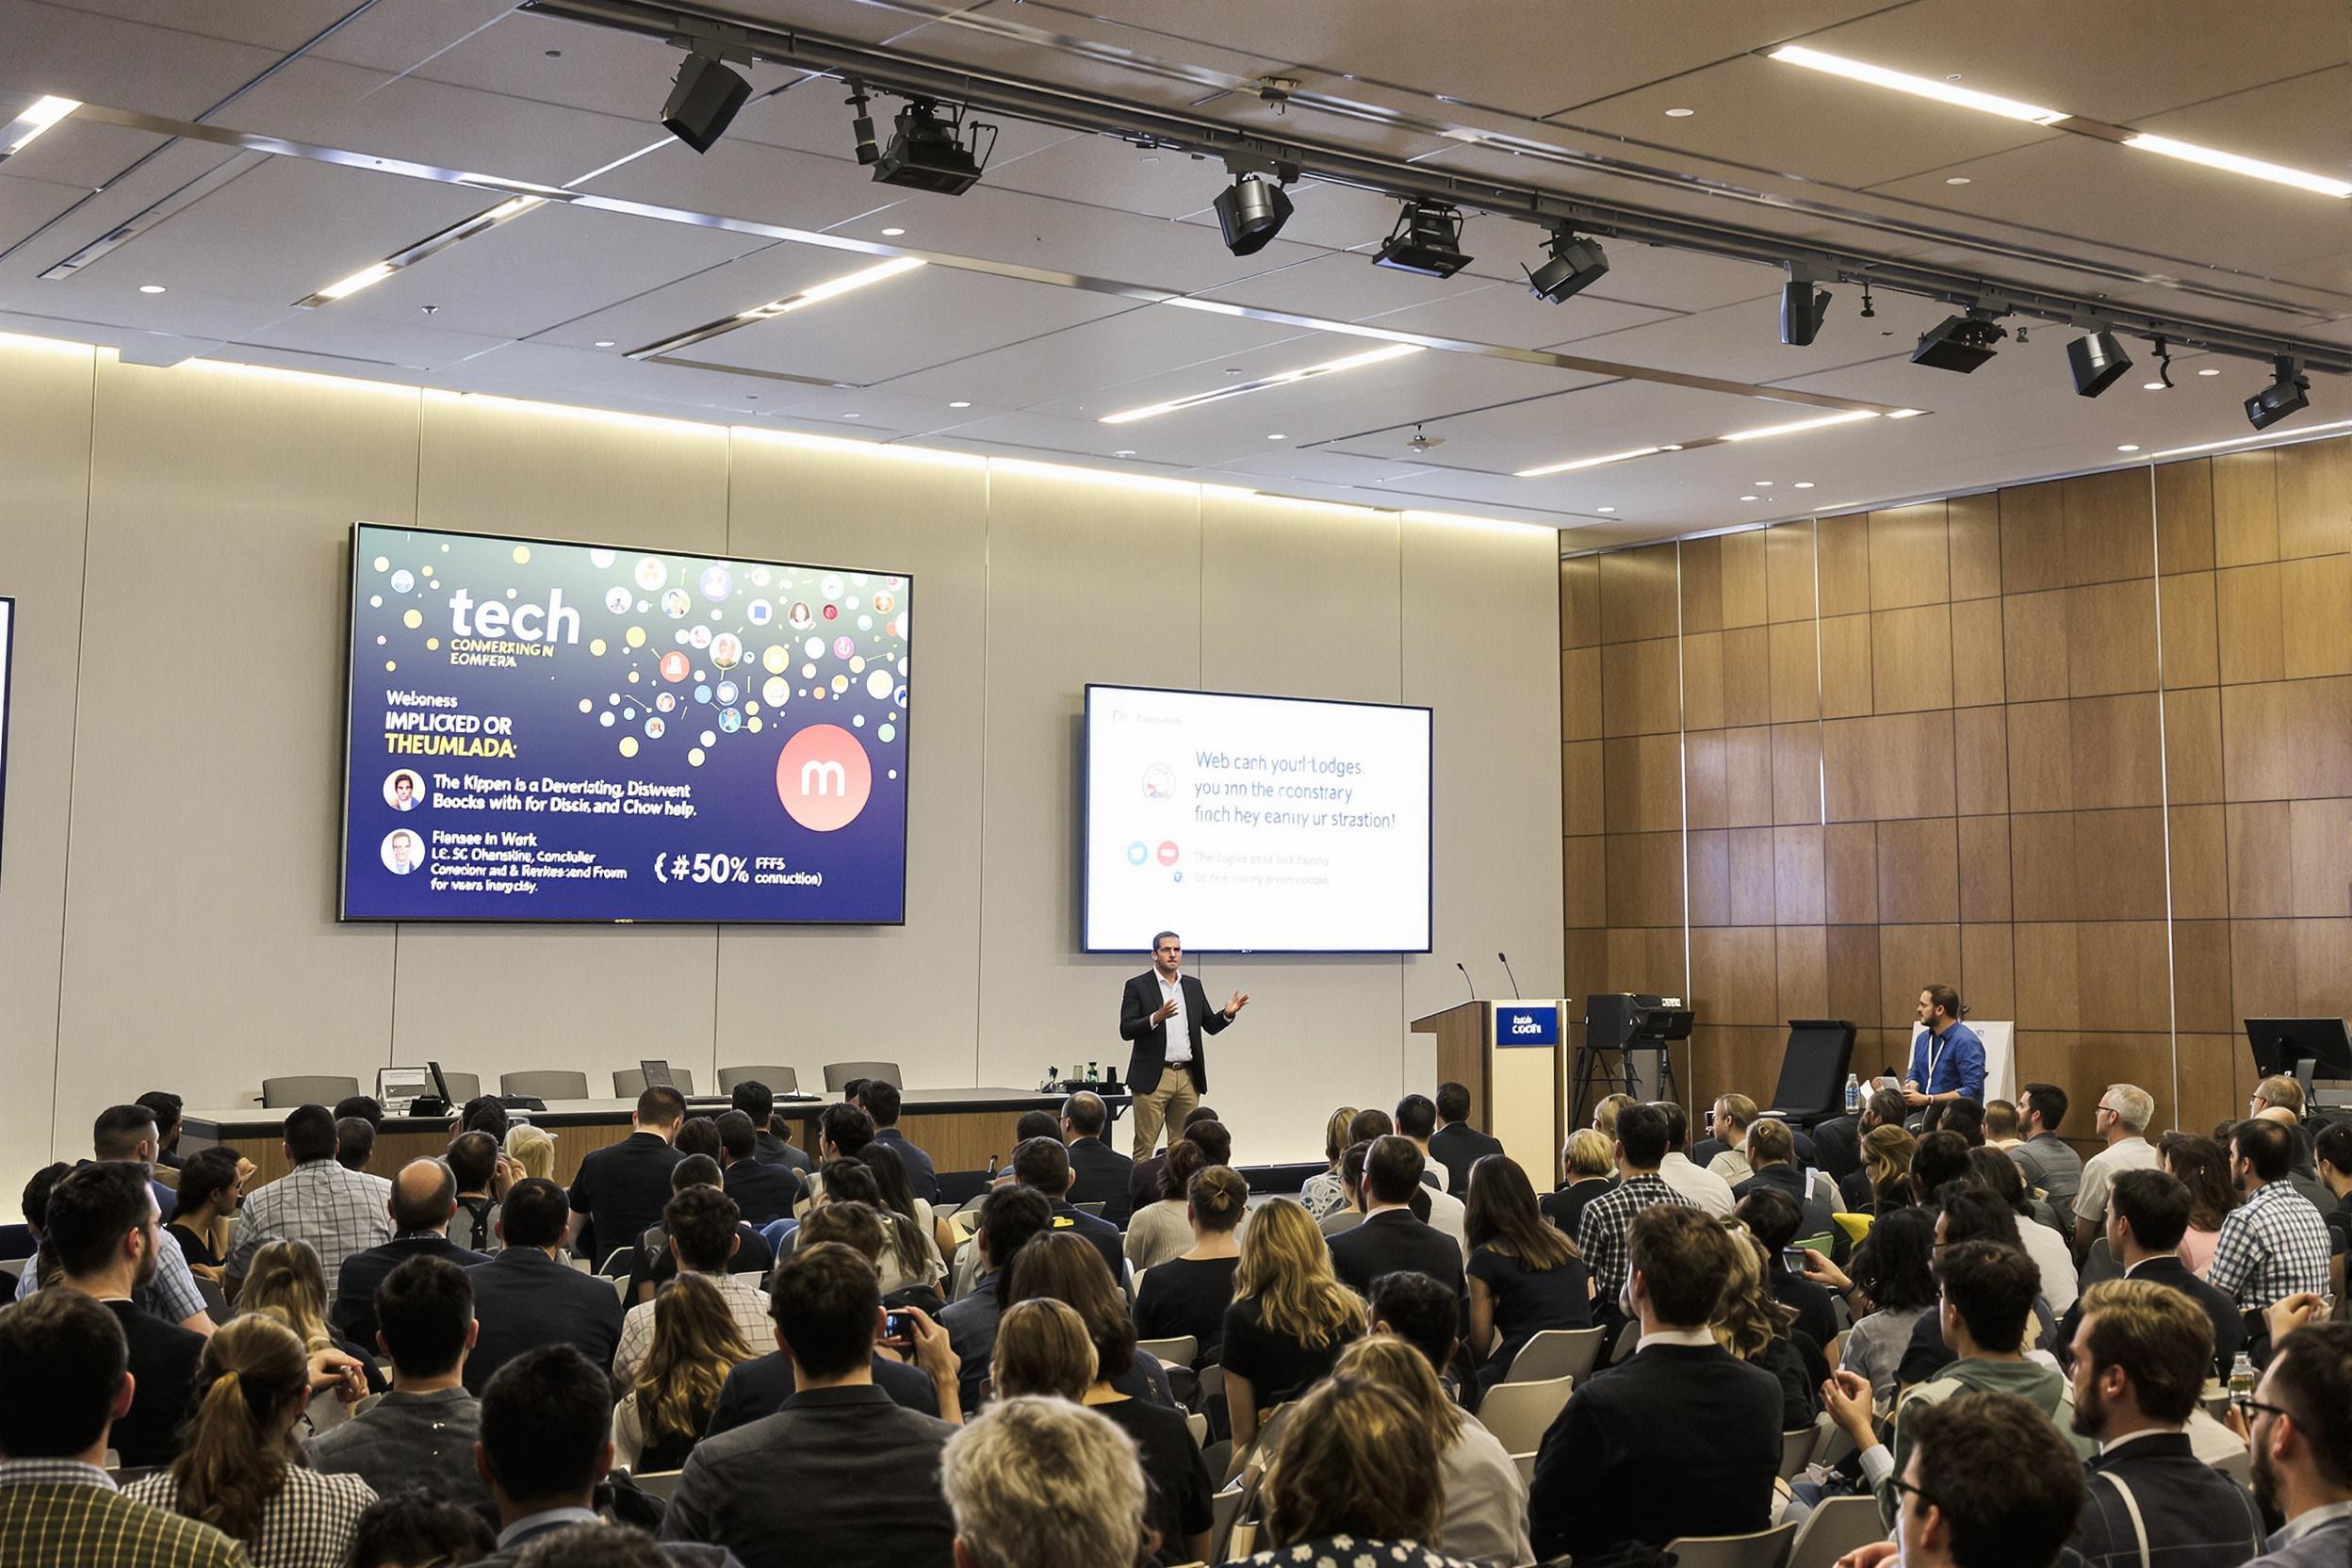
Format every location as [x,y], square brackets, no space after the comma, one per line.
[79,53]
[767,185]
[1136,341]
[410,345]
[25,204]
[274,24]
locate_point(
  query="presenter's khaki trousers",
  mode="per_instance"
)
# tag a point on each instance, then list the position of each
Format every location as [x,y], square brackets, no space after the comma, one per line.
[1166,1105]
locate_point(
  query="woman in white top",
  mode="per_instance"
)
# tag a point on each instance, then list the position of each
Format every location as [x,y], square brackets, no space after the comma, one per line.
[1161,1231]
[1484,1516]
[912,1254]
[1324,1193]
[2046,1248]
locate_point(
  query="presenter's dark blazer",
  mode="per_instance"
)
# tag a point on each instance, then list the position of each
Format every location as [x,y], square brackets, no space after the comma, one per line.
[1149,1040]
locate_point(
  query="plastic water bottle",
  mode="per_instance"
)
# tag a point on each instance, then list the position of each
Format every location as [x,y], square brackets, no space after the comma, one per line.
[2242,1378]
[1853,1094]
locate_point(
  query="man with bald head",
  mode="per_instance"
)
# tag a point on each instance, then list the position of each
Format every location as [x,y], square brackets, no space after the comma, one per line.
[424,1196]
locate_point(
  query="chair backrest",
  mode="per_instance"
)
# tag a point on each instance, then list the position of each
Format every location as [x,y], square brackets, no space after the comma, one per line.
[1764,1549]
[658,1483]
[550,1084]
[311,1089]
[837,1074]
[1223,1509]
[463,1087]
[1519,1413]
[630,1082]
[780,1079]
[1094,1208]
[1836,1526]
[1796,1452]
[1557,1354]
[1197,1424]
[2099,1264]
[1628,1337]
[620,1287]
[1178,1351]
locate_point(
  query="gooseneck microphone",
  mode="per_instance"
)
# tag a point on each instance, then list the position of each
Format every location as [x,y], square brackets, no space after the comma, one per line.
[1503,958]
[1466,980]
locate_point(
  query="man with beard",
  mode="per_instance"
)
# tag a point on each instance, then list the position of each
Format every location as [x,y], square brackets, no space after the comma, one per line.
[2141,1354]
[2301,1433]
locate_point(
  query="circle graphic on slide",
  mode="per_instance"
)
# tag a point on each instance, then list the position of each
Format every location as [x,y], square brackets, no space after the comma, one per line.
[823,777]
[726,650]
[404,791]
[651,573]
[832,612]
[843,648]
[1137,853]
[1159,781]
[401,852]
[830,587]
[676,666]
[717,583]
[616,599]
[773,658]
[799,618]
[885,603]
[600,559]
[729,721]
[1167,852]
[758,611]
[654,728]
[675,603]
[777,691]
[700,636]
[403,581]
[665,702]
[726,693]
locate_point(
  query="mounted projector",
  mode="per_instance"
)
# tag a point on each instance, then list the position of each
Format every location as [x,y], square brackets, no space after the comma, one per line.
[2287,393]
[1802,307]
[1574,265]
[703,101]
[926,150]
[1251,212]
[2097,359]
[1959,343]
[1427,239]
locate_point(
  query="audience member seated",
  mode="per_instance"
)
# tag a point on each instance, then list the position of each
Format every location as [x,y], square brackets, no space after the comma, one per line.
[287,1283]
[482,1177]
[1884,1183]
[2301,1433]
[621,1191]
[2275,1244]
[1684,1439]
[1143,1176]
[764,1190]
[699,1134]
[41,1268]
[923,1223]
[1008,1219]
[1098,1172]
[66,1369]
[2146,1212]
[1640,1144]
[2277,1098]
[1044,1164]
[1355,1479]
[1426,1316]
[673,1389]
[1389,1238]
[757,1101]
[882,1101]
[417,1529]
[1416,1118]
[1999,1175]
[530,1151]
[1604,1112]
[1988,1486]
[1523,1276]
[2141,1357]
[1483,1503]
[165,1107]
[1894,1288]
[1188,1293]
[2333,1153]
[354,1142]
[101,1229]
[1177,1484]
[2002,1130]
[1588,1167]
[1773,1157]
[1967,1213]
[1456,1145]
[1773,1218]
[484,1113]
[424,1200]
[1041,1347]
[1351,1210]
[125,1135]
[906,1261]
[1841,1142]
[525,1297]
[236,1466]
[423,1431]
[1059,1265]
[1326,1191]
[654,1265]
[337,1212]
[1038,1483]
[1696,1181]
[1724,1151]
[1160,1230]
[2049,1162]
[2120,1122]
[1751,1323]
[864,1489]
[759,1387]
[545,1449]
[1291,1315]
[361,1107]
[2203,1167]
[1963,1116]
[704,1238]
[843,1131]
[211,1187]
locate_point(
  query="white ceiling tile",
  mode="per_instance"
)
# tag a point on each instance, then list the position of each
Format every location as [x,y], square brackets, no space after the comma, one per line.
[77,53]
[1099,353]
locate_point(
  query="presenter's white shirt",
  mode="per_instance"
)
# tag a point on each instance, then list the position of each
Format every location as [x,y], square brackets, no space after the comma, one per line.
[1179,1027]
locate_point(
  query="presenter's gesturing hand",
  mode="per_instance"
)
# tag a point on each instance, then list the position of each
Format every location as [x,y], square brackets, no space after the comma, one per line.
[1167,1010]
[1233,1006]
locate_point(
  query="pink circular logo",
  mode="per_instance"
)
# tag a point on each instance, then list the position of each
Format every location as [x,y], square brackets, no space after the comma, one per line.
[823,777]
[1167,852]
[675,666]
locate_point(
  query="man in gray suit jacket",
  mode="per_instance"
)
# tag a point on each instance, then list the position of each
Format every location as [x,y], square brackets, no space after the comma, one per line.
[2302,1439]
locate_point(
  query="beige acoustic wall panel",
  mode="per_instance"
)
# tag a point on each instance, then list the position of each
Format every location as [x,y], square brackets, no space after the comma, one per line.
[1089,579]
[492,999]
[201,942]
[1301,600]
[811,994]
[45,406]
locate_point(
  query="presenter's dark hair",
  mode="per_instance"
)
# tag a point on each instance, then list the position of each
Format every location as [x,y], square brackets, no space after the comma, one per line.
[424,1307]
[62,1358]
[659,1105]
[165,1106]
[1392,1169]
[1086,1114]
[755,1100]
[847,1127]
[1042,1164]
[1453,1102]
[534,1214]
[119,1130]
[882,1101]
[1159,937]
[738,1134]
[701,1221]
[1642,1132]
[474,1160]
[207,1172]
[1420,1310]
[365,1106]
[310,1133]
[826,1299]
[546,1416]
[2267,1146]
[1416,1117]
[1943,997]
[91,1210]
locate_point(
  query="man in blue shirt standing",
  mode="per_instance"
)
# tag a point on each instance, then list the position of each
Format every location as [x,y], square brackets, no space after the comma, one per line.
[1948,1061]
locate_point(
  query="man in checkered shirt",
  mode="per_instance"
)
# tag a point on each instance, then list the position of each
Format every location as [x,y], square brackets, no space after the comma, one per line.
[2275,1244]
[1601,1229]
[339,1212]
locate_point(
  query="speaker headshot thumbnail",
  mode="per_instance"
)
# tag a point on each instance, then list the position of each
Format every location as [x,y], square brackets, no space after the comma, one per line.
[401,852]
[404,791]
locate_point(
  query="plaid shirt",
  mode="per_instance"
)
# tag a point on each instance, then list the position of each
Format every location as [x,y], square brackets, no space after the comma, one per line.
[1601,1230]
[309,1523]
[2271,1245]
[172,1295]
[744,1299]
[339,1212]
[62,1514]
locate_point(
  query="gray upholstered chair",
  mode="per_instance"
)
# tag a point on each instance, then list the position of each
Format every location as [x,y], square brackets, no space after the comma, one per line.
[630,1082]
[838,1073]
[780,1079]
[312,1088]
[552,1084]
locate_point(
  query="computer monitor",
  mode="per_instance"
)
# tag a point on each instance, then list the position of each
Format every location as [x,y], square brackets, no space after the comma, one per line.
[2306,1047]
[657,1075]
[440,1084]
[1813,1070]
[402,1085]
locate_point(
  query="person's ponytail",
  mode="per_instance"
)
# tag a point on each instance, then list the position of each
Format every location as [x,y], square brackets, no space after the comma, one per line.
[232,1460]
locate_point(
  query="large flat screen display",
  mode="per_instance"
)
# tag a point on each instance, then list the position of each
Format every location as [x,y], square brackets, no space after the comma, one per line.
[1255,823]
[562,732]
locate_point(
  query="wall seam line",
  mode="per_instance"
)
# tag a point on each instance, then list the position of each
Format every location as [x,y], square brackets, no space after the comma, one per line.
[73,765]
[2164,793]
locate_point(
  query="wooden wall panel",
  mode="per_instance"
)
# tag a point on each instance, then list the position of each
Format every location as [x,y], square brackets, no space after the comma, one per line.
[1911,659]
[1972,524]
[1638,594]
[2314,499]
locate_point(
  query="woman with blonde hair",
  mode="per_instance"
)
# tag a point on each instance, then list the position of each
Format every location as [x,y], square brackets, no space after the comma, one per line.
[1290,1317]
[1041,1347]
[532,1148]
[285,1281]
[1325,1192]
[669,1401]
[1483,1499]
[1752,1325]
[1588,1167]
[1887,1152]
[238,1467]
[1354,1478]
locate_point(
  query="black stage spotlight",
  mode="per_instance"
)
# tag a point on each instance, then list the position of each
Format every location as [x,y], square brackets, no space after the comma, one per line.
[1251,212]
[1802,307]
[1427,239]
[1574,266]
[2289,392]
[703,103]
[1959,342]
[927,151]
[2097,359]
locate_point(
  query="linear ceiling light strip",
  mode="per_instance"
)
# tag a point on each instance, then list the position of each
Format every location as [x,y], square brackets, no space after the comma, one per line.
[432,244]
[1761,432]
[832,289]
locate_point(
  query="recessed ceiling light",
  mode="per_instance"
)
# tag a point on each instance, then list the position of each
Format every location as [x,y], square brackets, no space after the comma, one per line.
[1124,451]
[1804,485]
[960,403]
[151,289]
[604,342]
[2243,440]
[1957,179]
[1761,484]
[1280,377]
[2153,386]
[2128,447]
[852,415]
[2209,370]
[1747,498]
[2232,163]
[892,233]
[19,133]
[432,244]
[1277,436]
[1681,114]
[1921,86]
[1604,509]
[1793,428]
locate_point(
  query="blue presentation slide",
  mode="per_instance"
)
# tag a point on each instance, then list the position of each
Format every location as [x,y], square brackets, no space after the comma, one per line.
[558,732]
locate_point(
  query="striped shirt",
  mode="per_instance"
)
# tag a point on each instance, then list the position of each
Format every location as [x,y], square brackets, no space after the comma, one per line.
[339,1212]
[62,1514]
[2272,1246]
[309,1523]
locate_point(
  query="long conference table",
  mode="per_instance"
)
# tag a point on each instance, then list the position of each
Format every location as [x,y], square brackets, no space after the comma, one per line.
[961,1129]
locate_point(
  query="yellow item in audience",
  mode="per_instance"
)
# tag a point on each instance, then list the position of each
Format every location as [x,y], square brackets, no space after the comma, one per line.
[1857,1226]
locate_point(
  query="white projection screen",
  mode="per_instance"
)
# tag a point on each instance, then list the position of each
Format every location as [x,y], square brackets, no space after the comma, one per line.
[1255,823]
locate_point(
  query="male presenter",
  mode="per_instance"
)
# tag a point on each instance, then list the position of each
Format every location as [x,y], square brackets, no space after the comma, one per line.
[1948,1063]
[1162,1015]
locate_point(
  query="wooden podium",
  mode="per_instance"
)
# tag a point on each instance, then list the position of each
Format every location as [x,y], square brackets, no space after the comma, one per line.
[1514,1088]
